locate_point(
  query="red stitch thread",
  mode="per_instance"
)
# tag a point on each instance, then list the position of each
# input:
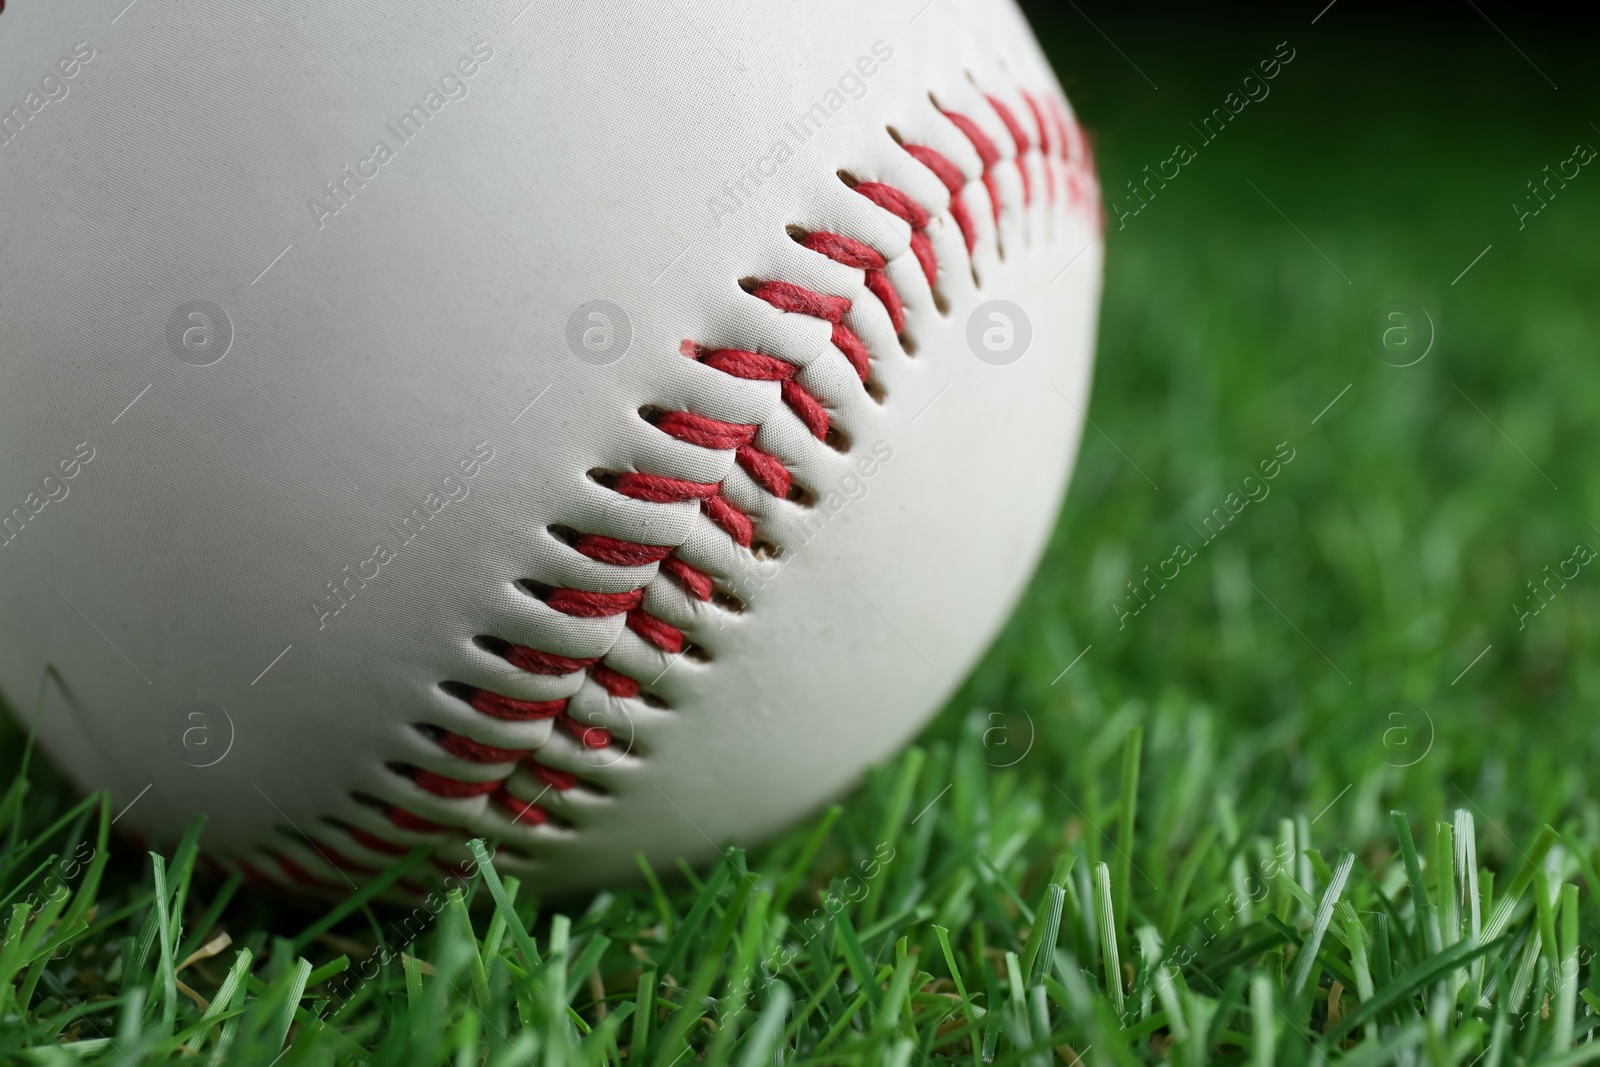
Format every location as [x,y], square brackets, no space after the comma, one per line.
[954,181]
[663,635]
[512,710]
[878,285]
[986,152]
[1019,137]
[706,432]
[895,201]
[811,412]
[853,253]
[562,780]
[856,352]
[522,810]
[622,553]
[408,820]
[752,366]
[536,662]
[476,751]
[730,518]
[614,682]
[765,470]
[715,434]
[454,788]
[696,583]
[588,736]
[660,489]
[585,604]
[900,203]
[846,250]
[787,296]
[1044,147]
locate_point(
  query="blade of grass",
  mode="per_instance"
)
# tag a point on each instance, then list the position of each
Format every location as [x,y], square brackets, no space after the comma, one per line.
[1127,814]
[1319,924]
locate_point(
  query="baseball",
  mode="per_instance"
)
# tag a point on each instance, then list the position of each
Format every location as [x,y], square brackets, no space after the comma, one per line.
[601,430]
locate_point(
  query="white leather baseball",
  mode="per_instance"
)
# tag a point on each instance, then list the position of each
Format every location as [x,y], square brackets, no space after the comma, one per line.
[395,394]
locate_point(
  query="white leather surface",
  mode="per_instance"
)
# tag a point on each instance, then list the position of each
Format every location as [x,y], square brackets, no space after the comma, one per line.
[373,349]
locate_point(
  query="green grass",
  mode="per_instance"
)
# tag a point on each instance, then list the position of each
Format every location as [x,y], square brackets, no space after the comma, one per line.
[1182,849]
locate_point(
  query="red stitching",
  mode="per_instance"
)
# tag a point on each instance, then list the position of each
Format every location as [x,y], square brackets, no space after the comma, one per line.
[1044,147]
[787,296]
[588,736]
[621,553]
[586,604]
[811,412]
[510,709]
[476,751]
[987,152]
[1019,137]
[614,682]
[767,471]
[1056,140]
[705,431]
[560,780]
[536,662]
[663,635]
[407,820]
[954,182]
[661,489]
[697,583]
[522,810]
[452,788]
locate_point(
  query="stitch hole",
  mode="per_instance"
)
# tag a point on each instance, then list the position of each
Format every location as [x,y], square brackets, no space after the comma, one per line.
[850,180]
[749,285]
[796,234]
[652,414]
[459,690]
[696,654]
[837,439]
[650,700]
[492,645]
[727,601]
[875,390]
[537,590]
[367,800]
[605,478]
[908,343]
[799,494]
[763,549]
[895,134]
[565,534]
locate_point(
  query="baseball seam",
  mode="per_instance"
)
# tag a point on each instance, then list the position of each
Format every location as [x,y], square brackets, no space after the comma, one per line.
[1063,156]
